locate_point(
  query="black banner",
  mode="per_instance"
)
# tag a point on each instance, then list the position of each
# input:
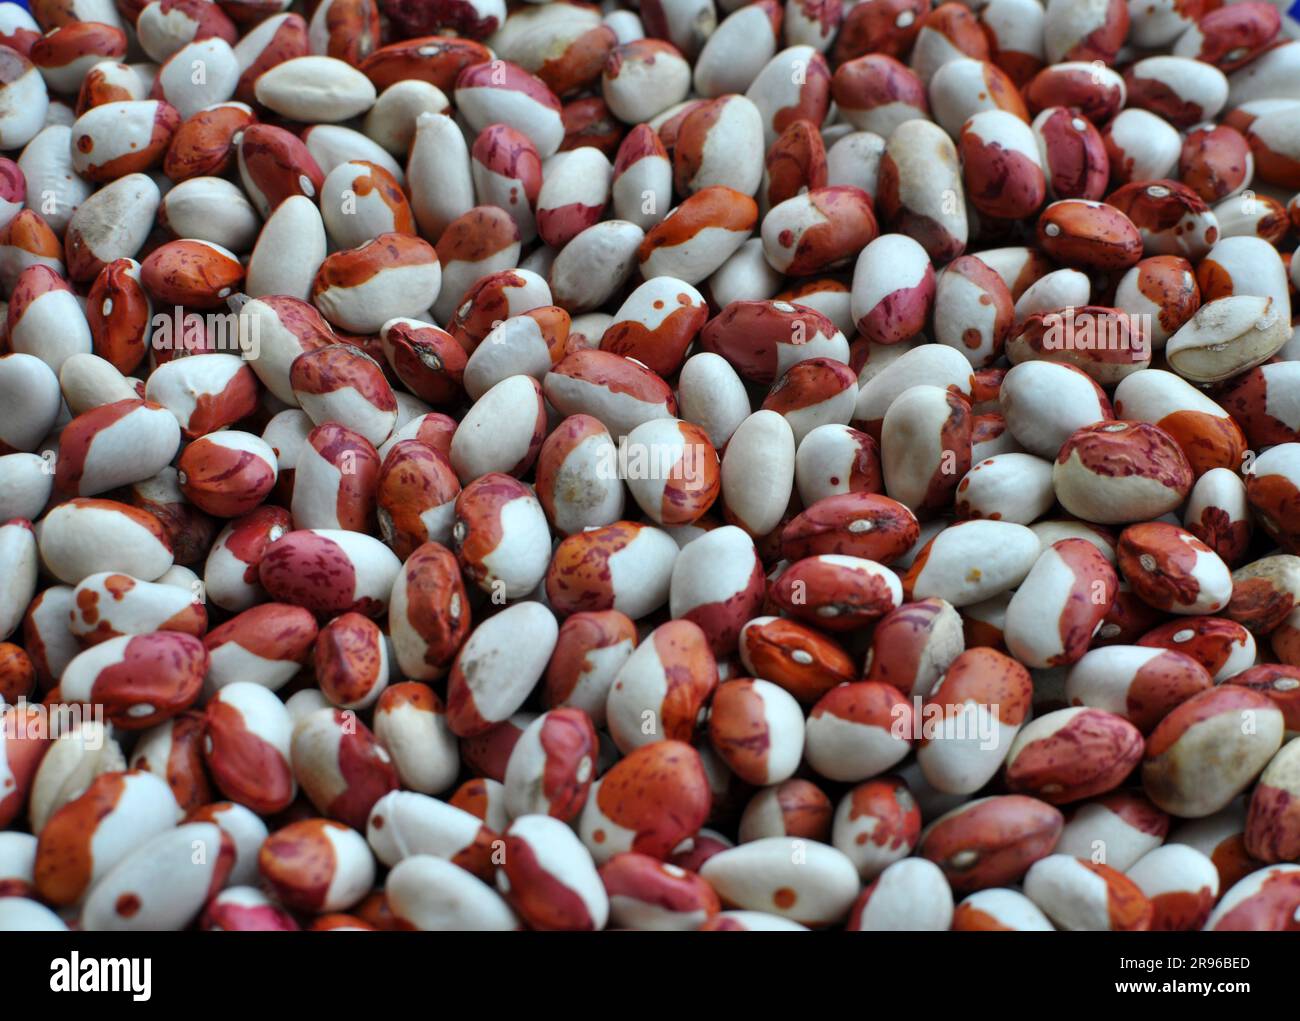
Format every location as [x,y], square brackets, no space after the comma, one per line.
[334,970]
